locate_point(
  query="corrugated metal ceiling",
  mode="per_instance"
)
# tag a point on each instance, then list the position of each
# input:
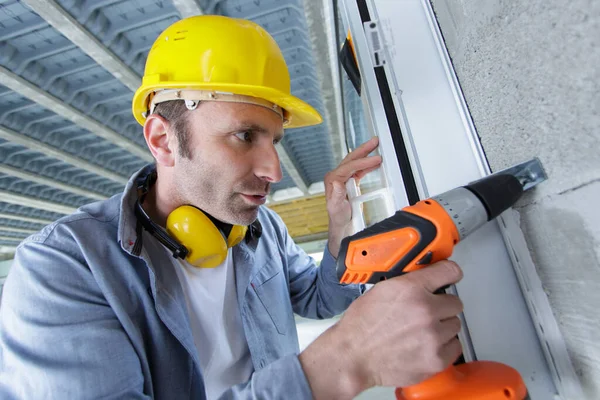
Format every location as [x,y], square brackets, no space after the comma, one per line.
[68,69]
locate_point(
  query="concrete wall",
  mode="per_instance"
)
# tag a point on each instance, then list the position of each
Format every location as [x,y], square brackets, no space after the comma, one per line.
[530,72]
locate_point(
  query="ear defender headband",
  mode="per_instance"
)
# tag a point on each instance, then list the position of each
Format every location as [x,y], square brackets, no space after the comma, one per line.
[191,234]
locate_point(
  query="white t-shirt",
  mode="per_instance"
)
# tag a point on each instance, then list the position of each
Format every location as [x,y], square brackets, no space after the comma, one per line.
[216,324]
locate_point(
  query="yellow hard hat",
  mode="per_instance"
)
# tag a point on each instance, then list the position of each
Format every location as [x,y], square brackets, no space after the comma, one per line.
[223,56]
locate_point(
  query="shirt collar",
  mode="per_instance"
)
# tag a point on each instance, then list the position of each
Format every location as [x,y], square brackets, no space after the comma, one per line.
[127,233]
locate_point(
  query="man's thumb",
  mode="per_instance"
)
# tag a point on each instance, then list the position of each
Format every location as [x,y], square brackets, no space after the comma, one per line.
[435,276]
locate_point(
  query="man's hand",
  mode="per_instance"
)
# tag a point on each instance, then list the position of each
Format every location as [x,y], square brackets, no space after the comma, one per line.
[355,165]
[398,334]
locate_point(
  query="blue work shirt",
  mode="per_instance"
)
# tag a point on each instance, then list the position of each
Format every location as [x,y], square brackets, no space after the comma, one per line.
[86,313]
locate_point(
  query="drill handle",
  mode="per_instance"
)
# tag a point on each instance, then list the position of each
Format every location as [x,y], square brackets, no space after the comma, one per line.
[385,249]
[412,238]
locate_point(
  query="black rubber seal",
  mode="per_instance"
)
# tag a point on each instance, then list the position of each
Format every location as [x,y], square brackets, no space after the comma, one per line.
[410,185]
[363,10]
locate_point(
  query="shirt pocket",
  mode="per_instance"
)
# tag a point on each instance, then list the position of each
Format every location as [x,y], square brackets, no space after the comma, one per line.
[272,290]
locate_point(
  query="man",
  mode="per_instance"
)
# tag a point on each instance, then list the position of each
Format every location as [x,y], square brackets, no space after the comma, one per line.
[185,286]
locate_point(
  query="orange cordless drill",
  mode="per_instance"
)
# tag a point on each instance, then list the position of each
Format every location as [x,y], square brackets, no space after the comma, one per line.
[425,233]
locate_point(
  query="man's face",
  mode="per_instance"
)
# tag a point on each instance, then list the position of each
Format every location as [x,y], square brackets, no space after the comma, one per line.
[233,160]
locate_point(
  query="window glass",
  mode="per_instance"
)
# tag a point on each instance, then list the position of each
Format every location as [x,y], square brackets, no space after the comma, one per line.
[358,131]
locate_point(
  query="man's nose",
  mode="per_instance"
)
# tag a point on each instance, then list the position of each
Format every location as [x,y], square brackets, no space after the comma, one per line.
[268,166]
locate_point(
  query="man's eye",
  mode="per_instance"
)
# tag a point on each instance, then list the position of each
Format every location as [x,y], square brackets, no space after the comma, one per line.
[245,136]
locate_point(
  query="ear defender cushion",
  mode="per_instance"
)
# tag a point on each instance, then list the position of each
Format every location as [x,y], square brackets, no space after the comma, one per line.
[204,241]
[237,234]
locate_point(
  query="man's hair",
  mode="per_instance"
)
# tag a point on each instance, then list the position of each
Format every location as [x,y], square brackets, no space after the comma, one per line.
[175,112]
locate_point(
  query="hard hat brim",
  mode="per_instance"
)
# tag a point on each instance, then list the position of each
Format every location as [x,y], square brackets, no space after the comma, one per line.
[300,114]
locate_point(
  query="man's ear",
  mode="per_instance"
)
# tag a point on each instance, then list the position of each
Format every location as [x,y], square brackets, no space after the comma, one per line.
[158,140]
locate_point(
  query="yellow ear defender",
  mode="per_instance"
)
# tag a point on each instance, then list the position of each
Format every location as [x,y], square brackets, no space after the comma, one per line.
[191,234]
[207,245]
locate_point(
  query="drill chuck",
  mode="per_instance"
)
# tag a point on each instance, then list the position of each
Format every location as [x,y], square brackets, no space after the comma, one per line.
[473,205]
[464,208]
[497,192]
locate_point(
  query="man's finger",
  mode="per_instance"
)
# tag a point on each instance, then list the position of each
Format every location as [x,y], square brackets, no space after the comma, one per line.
[447,306]
[448,329]
[362,151]
[347,170]
[451,351]
[438,275]
[361,174]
